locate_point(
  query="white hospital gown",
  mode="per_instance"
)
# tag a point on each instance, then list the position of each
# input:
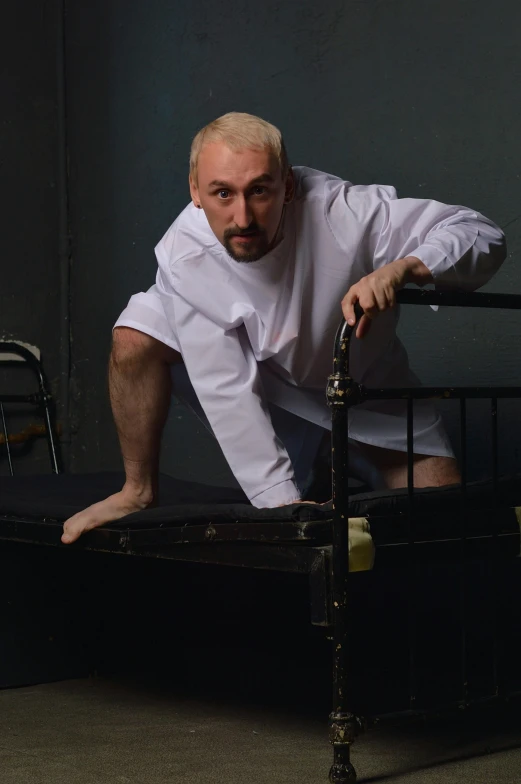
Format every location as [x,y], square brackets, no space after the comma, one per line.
[263,331]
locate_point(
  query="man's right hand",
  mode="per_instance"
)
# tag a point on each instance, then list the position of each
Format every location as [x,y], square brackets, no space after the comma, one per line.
[127,501]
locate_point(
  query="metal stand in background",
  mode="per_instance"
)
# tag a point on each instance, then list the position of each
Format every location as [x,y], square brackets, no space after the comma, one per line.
[42,400]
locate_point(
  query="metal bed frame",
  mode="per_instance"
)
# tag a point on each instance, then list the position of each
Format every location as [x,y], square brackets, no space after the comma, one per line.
[317,549]
[343,393]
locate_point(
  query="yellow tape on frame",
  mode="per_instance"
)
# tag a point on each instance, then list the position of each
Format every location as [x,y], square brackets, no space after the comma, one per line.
[361,545]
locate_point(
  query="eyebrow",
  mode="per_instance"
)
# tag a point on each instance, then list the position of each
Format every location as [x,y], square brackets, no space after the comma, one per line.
[262,178]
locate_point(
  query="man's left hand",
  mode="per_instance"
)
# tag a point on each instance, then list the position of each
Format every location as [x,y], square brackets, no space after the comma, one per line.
[377,292]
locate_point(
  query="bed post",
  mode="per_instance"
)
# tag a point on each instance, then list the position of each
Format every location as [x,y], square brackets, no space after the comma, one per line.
[344,726]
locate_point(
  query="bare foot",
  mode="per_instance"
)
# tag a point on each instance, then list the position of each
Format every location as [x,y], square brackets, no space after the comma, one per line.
[112,508]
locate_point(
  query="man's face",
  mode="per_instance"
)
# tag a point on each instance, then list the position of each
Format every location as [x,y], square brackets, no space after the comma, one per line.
[242,193]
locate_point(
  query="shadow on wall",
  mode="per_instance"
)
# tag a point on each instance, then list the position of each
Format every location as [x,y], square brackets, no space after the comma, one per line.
[185,439]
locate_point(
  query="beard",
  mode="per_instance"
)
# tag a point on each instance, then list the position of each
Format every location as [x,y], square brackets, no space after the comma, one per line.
[250,251]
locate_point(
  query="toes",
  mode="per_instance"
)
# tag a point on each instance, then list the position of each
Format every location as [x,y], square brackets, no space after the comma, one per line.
[113,508]
[69,534]
[73,528]
[90,518]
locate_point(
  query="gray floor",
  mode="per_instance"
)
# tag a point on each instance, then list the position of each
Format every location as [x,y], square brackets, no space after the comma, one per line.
[101,732]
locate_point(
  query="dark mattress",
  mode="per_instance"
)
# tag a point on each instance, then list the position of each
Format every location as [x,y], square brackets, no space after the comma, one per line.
[192,512]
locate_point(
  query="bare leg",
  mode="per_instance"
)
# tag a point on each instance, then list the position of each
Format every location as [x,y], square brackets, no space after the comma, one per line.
[140,388]
[428,471]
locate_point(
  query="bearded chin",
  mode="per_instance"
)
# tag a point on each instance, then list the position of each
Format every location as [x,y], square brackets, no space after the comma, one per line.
[246,256]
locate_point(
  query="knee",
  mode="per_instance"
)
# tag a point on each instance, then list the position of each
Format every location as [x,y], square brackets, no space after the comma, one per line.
[129,346]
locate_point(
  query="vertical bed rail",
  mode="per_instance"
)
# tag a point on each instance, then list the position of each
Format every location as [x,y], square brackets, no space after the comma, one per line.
[463,573]
[411,565]
[342,393]
[497,598]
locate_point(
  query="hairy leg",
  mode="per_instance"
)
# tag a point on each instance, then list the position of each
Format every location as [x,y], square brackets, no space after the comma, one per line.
[140,388]
[428,471]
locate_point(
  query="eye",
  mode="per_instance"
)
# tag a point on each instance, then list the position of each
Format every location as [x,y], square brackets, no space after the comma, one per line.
[223,194]
[259,190]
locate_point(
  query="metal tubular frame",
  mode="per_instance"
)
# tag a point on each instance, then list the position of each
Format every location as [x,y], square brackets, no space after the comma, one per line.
[42,400]
[6,436]
[342,393]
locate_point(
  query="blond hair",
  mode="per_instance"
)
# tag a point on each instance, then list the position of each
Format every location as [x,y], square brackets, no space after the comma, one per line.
[240,131]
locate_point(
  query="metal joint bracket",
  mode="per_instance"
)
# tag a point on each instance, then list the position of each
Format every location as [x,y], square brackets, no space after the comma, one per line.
[342,391]
[344,728]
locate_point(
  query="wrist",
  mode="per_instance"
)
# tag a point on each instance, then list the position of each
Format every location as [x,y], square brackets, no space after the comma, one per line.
[413,270]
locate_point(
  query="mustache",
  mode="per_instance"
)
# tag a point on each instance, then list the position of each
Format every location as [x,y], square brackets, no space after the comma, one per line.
[253,228]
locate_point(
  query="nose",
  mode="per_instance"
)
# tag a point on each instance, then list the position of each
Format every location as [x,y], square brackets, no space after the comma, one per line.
[243,214]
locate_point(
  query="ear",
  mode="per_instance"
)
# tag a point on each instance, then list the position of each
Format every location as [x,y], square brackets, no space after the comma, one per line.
[290,187]
[194,191]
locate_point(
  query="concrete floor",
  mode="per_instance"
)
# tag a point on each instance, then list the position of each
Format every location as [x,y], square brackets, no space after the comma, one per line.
[104,731]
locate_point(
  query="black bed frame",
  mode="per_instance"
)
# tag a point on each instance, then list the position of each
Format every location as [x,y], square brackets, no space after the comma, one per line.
[315,548]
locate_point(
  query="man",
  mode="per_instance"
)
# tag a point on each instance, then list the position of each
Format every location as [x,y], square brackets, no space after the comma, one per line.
[244,311]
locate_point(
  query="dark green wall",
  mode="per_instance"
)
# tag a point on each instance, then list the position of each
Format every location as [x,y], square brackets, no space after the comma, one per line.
[29,187]
[421,95]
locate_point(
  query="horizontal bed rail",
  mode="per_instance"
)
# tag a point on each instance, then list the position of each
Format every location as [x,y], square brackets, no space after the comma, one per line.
[460,299]
[463,299]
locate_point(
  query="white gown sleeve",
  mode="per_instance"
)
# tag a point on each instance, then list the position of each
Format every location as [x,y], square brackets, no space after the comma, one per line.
[461,248]
[224,374]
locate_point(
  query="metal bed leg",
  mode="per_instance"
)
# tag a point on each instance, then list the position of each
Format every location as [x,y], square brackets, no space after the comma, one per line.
[494,418]
[412,607]
[463,566]
[344,726]
[496,567]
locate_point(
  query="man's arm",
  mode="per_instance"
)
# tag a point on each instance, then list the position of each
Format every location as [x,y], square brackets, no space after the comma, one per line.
[140,390]
[422,242]
[462,248]
[225,376]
